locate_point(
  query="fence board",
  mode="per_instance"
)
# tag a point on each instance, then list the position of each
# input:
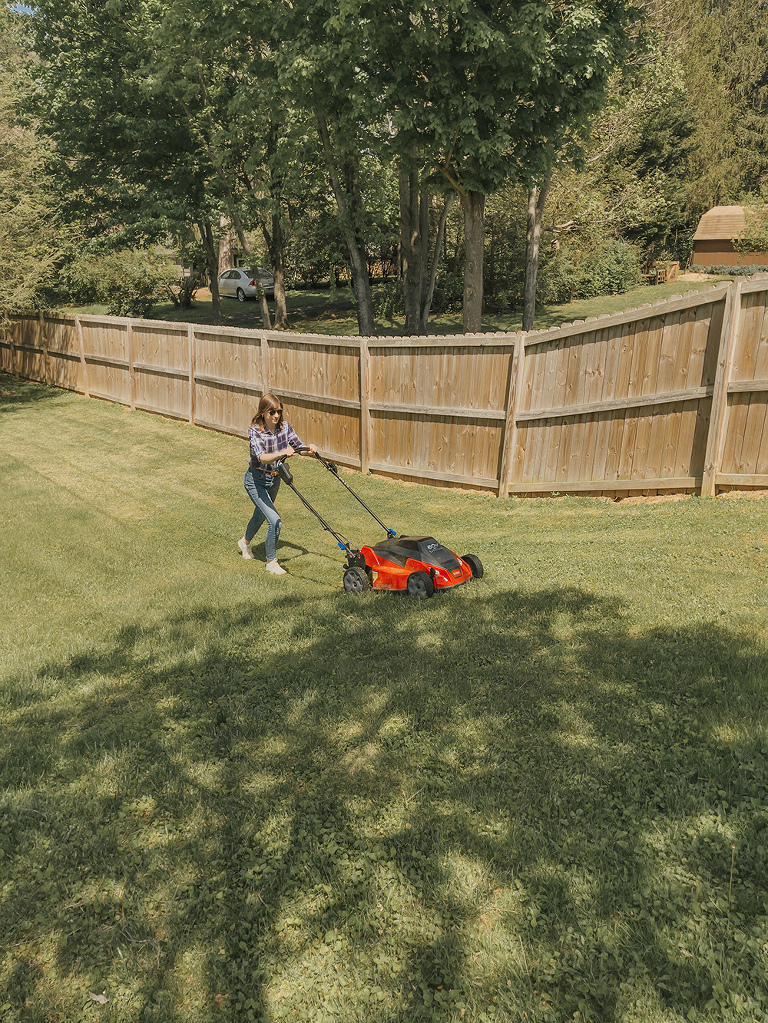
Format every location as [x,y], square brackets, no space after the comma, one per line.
[617,404]
[717,435]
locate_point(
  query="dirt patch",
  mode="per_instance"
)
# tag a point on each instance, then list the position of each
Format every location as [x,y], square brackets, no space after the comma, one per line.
[654,498]
[743,493]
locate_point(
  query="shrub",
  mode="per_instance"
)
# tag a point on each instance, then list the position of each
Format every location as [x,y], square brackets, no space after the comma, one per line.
[127,283]
[182,290]
[611,270]
[730,271]
[388,301]
[449,293]
[558,280]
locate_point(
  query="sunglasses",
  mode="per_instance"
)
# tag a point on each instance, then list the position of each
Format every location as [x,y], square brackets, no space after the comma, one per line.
[273,412]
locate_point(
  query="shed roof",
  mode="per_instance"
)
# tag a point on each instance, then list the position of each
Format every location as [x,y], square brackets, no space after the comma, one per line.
[721,223]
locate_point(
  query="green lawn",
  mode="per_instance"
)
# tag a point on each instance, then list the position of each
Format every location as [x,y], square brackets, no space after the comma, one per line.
[321,312]
[540,797]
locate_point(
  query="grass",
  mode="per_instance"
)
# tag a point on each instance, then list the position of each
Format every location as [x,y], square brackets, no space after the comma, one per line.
[542,796]
[321,312]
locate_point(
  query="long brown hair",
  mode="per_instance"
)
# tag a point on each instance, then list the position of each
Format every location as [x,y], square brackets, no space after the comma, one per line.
[269,403]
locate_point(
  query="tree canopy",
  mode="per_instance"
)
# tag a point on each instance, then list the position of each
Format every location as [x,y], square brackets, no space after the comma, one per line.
[319,131]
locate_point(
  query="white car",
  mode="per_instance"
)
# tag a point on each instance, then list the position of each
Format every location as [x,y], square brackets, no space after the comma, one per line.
[243,282]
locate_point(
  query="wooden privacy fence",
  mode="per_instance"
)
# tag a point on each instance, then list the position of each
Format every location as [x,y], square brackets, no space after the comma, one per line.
[668,397]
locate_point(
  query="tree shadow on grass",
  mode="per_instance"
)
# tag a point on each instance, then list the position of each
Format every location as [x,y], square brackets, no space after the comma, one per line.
[377,809]
[16,391]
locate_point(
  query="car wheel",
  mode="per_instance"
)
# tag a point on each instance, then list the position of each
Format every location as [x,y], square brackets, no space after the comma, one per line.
[420,585]
[240,295]
[356,580]
[475,565]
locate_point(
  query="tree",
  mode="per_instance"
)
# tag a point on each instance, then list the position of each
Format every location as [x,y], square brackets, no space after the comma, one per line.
[725,58]
[423,214]
[488,91]
[31,235]
[223,71]
[137,164]
[323,65]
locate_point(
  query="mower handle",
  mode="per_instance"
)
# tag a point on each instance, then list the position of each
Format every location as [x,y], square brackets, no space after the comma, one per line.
[333,469]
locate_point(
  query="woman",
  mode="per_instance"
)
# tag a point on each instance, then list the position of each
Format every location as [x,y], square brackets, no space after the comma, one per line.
[271,438]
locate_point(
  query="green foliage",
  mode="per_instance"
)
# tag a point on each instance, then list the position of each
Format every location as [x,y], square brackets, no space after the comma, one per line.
[127,283]
[183,290]
[612,270]
[724,49]
[756,224]
[731,271]
[31,232]
[216,115]
[449,293]
[388,301]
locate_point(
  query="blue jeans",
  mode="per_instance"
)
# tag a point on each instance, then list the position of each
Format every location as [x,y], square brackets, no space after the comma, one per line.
[263,499]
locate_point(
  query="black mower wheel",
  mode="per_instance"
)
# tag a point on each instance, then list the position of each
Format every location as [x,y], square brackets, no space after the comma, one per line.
[420,585]
[475,564]
[356,580]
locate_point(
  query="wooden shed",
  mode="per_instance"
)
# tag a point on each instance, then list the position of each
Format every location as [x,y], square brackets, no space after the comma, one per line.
[713,241]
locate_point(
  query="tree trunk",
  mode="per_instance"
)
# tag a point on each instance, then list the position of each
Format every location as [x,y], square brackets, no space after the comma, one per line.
[537,197]
[349,203]
[276,245]
[278,267]
[473,205]
[226,243]
[212,263]
[427,303]
[265,320]
[411,245]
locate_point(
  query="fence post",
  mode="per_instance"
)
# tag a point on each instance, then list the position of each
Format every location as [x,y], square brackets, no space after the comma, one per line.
[131,371]
[718,416]
[365,397]
[42,343]
[264,364]
[83,362]
[14,350]
[508,466]
[192,370]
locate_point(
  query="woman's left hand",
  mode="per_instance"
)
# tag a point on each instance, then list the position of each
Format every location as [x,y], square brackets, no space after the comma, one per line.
[311,449]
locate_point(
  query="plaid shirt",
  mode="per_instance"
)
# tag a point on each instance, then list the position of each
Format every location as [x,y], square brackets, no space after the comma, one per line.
[265,443]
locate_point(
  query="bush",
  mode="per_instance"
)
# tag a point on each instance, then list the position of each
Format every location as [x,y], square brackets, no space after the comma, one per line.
[127,283]
[183,290]
[609,271]
[730,271]
[388,301]
[449,293]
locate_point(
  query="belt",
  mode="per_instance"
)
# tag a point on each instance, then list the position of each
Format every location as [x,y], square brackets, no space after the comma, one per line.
[264,472]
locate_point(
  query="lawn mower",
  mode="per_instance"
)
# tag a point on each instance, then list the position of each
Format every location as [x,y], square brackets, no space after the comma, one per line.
[417,565]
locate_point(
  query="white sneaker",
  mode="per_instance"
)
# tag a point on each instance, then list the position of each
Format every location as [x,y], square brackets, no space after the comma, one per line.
[274,568]
[245,548]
